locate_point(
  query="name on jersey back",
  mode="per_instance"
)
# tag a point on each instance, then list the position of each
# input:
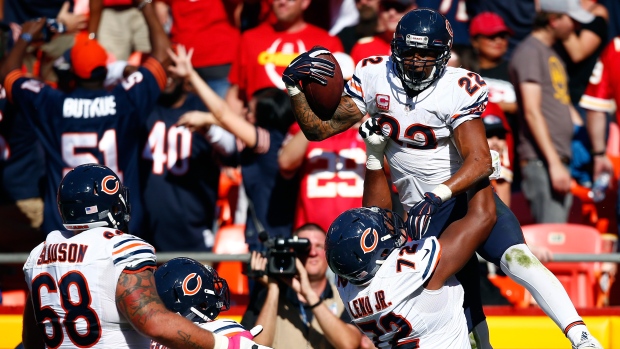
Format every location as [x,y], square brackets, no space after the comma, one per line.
[71,253]
[89,108]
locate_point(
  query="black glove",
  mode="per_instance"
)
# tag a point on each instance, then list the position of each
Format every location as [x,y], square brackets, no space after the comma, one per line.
[308,66]
[420,215]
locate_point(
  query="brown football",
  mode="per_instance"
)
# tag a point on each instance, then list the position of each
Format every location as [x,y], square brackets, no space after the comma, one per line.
[325,99]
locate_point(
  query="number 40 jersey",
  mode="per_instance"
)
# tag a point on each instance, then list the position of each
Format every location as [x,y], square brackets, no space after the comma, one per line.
[395,310]
[72,280]
[421,151]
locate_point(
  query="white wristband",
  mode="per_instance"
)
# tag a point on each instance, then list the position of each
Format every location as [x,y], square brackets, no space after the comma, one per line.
[443,192]
[374,162]
[293,90]
[220,342]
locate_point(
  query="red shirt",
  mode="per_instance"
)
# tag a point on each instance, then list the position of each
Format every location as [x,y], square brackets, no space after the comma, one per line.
[603,91]
[204,25]
[332,178]
[371,46]
[265,54]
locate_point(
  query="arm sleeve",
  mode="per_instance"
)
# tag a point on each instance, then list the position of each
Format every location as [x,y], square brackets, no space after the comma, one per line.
[143,87]
[599,93]
[355,89]
[221,140]
[468,104]
[29,95]
[133,254]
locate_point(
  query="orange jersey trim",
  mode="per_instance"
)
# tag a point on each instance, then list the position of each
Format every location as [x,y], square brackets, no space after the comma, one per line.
[158,71]
[147,267]
[10,80]
[130,246]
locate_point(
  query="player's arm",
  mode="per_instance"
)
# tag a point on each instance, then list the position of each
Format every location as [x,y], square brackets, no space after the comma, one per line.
[31,335]
[376,186]
[471,142]
[309,67]
[138,301]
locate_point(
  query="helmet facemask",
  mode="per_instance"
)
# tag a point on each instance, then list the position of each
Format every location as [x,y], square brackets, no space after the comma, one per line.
[415,74]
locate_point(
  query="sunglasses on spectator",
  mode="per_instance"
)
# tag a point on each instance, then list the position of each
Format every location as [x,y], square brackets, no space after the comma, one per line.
[502,35]
[500,134]
[397,6]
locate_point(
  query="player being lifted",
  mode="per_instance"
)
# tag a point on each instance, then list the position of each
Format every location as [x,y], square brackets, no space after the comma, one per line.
[437,151]
[196,292]
[92,285]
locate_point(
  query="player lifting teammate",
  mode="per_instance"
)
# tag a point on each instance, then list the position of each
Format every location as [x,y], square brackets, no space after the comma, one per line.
[436,148]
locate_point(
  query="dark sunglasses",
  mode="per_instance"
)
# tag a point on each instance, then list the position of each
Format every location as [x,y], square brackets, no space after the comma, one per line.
[397,6]
[495,36]
[499,133]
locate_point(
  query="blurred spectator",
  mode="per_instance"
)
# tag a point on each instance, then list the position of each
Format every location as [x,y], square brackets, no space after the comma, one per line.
[580,52]
[262,131]
[368,24]
[18,12]
[209,28]
[613,8]
[119,27]
[603,96]
[181,173]
[97,125]
[517,14]
[302,309]
[21,170]
[390,12]
[546,113]
[500,139]
[331,174]
[269,48]
[489,39]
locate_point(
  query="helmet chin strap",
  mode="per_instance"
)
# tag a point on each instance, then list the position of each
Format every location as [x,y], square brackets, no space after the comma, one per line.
[424,83]
[199,314]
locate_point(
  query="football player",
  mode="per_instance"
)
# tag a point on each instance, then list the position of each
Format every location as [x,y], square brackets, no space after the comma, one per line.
[436,149]
[399,293]
[198,293]
[92,284]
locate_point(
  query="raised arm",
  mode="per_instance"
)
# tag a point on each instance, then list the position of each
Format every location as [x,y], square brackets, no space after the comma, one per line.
[31,31]
[159,40]
[309,67]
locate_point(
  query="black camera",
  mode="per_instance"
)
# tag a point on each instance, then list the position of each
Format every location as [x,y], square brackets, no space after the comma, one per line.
[281,253]
[52,26]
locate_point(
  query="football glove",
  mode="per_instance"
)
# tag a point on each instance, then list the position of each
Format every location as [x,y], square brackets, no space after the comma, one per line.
[241,340]
[420,215]
[307,66]
[375,143]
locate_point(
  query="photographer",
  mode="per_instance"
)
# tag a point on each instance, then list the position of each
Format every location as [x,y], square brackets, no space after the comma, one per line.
[304,308]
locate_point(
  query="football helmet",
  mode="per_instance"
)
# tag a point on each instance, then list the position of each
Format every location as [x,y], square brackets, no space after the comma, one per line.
[92,195]
[421,29]
[192,289]
[360,239]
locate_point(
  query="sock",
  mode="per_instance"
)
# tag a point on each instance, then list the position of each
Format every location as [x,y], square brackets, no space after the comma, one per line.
[523,267]
[577,332]
[481,336]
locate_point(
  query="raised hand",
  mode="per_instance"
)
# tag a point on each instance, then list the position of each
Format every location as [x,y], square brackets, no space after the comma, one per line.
[307,66]
[420,215]
[375,143]
[182,59]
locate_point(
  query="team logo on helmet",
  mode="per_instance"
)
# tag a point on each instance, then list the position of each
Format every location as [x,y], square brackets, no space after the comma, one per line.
[375,240]
[105,186]
[186,290]
[449,28]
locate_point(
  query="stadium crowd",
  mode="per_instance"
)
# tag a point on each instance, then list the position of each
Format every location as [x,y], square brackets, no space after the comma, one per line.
[100,82]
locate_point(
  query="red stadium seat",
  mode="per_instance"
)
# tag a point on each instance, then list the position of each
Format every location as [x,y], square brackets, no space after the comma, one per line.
[14,298]
[230,239]
[580,279]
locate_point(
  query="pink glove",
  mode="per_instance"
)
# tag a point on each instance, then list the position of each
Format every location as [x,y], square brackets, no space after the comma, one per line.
[243,340]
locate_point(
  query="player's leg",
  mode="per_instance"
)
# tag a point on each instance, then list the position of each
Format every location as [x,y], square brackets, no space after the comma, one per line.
[506,248]
[450,215]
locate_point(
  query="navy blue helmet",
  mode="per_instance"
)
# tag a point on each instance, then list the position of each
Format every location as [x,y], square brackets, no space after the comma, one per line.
[360,239]
[421,29]
[91,196]
[192,289]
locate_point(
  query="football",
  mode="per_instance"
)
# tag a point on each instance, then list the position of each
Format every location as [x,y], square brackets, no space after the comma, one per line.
[325,99]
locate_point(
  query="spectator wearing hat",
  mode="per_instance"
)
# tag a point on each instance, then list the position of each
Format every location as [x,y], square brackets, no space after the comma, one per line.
[390,12]
[89,124]
[489,39]
[545,110]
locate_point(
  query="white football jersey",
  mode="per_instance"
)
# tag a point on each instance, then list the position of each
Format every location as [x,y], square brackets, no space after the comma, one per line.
[222,327]
[72,279]
[394,309]
[421,151]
